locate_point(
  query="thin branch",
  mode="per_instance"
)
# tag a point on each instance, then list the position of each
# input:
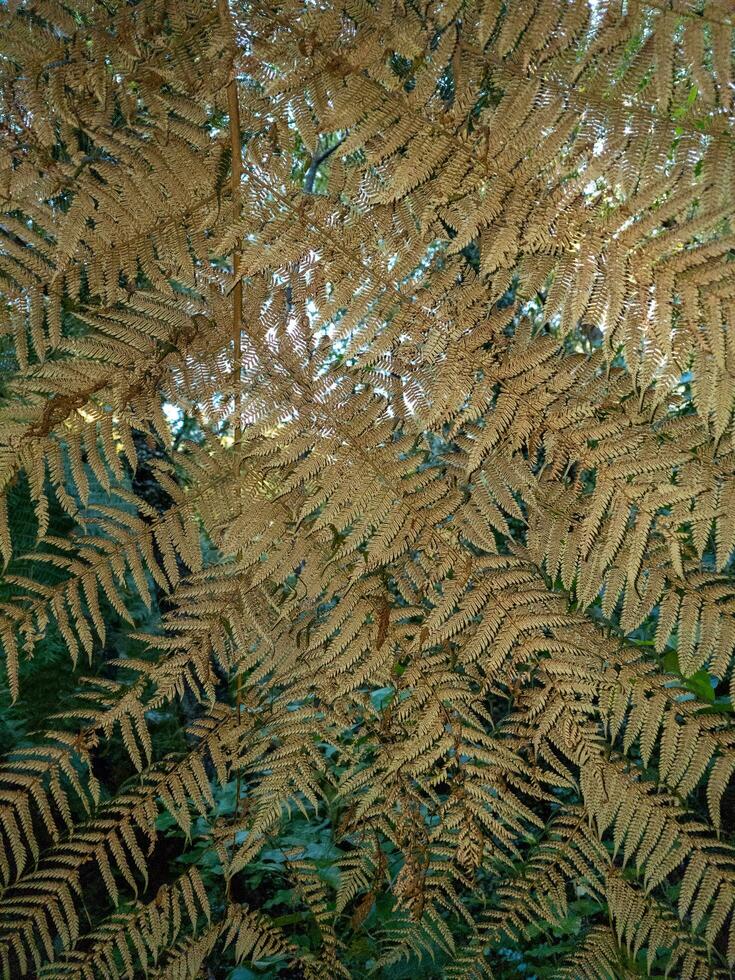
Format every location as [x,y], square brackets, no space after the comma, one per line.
[316,161]
[233,108]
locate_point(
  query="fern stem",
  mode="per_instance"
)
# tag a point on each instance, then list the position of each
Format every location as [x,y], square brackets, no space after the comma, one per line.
[233,108]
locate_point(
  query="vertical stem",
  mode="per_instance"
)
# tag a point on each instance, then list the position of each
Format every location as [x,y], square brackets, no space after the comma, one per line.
[233,110]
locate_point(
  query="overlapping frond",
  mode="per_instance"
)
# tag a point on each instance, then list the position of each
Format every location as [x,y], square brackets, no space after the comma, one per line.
[439,560]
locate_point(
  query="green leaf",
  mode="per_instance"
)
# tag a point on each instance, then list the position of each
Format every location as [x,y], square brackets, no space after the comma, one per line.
[701,684]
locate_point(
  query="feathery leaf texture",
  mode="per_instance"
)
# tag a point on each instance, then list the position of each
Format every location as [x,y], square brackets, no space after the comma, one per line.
[456,523]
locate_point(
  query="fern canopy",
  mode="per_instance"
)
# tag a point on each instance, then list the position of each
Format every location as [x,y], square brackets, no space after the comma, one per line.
[367,489]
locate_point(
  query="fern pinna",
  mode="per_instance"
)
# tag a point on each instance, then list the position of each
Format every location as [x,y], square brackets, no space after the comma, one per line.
[366,410]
